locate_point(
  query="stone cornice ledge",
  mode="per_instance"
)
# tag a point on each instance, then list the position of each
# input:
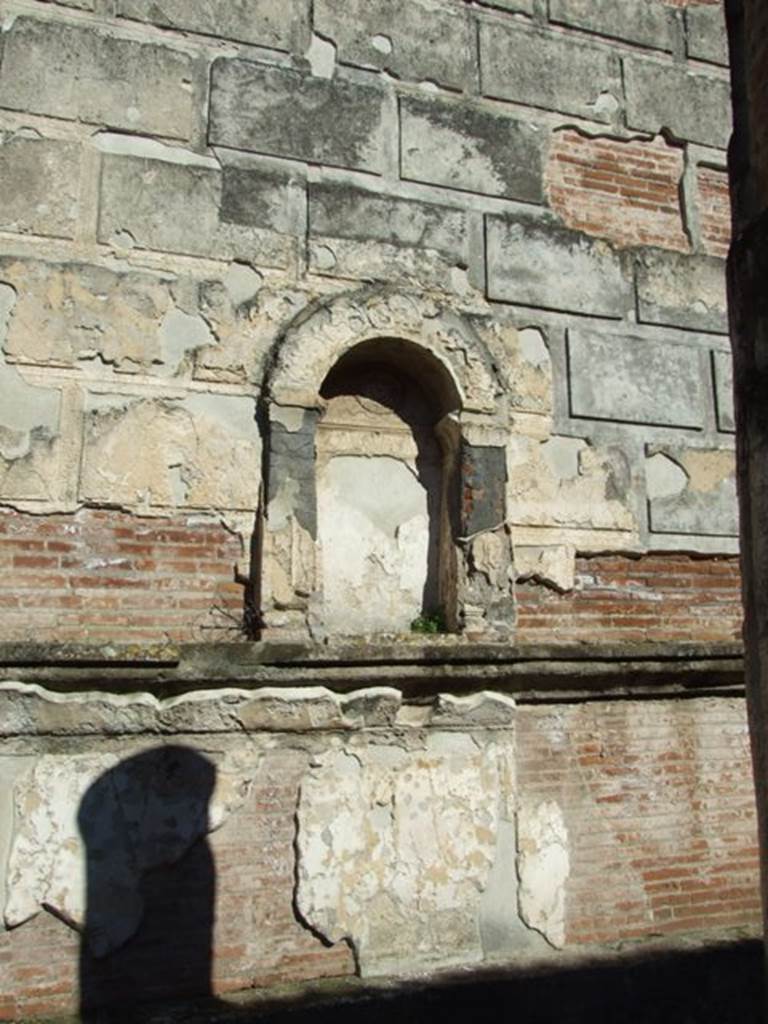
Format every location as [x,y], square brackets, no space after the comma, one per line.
[422,667]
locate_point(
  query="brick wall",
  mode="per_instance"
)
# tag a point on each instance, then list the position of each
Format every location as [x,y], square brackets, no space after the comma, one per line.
[99,575]
[661,597]
[656,798]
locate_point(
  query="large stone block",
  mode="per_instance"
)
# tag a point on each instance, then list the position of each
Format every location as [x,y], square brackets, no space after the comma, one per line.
[73,311]
[361,234]
[707,36]
[549,71]
[282,112]
[722,366]
[82,73]
[633,380]
[40,185]
[649,23]
[196,209]
[412,39]
[682,291]
[535,262]
[692,106]
[200,451]
[692,491]
[279,24]
[479,151]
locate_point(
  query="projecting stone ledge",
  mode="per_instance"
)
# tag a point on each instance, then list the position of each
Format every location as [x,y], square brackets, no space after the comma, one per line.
[414,667]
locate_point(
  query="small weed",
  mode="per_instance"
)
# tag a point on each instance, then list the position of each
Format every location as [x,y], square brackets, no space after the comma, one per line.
[434,623]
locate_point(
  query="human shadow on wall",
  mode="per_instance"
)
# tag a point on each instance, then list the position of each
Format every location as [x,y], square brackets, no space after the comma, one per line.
[150,884]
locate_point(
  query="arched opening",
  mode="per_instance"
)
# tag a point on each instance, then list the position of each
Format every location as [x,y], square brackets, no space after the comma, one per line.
[387,490]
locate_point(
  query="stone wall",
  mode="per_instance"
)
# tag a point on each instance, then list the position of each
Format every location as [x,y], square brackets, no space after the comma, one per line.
[192,180]
[278,281]
[286,835]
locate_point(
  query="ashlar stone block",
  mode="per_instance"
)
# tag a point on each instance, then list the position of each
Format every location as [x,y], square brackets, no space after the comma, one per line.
[278,24]
[40,185]
[682,291]
[413,39]
[700,499]
[198,209]
[83,73]
[649,23]
[279,111]
[354,233]
[654,101]
[480,151]
[707,36]
[550,71]
[722,365]
[534,262]
[633,380]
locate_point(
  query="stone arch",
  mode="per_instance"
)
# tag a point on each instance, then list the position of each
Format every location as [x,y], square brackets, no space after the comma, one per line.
[441,357]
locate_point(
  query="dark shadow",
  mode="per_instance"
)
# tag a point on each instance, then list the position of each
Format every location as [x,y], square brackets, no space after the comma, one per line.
[150,883]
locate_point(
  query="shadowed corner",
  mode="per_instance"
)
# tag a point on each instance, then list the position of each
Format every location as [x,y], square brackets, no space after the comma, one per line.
[150,882]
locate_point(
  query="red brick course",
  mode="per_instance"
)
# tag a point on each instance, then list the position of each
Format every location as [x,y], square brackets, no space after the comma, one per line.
[714,205]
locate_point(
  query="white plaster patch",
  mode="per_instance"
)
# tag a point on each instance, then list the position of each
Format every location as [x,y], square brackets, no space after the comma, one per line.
[543,868]
[395,847]
[321,54]
[88,825]
[664,477]
[181,333]
[242,282]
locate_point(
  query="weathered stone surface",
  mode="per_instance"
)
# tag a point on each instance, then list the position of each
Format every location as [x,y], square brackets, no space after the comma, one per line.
[722,364]
[682,291]
[634,380]
[653,102]
[395,846]
[412,39]
[548,71]
[554,564]
[701,499]
[518,6]
[479,151]
[543,868]
[282,112]
[359,234]
[484,710]
[649,23]
[314,342]
[281,25]
[73,311]
[245,325]
[524,363]
[201,451]
[707,36]
[534,262]
[195,209]
[80,73]
[567,481]
[40,190]
[89,826]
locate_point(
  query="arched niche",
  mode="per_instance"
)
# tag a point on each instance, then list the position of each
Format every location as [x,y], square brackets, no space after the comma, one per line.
[385,474]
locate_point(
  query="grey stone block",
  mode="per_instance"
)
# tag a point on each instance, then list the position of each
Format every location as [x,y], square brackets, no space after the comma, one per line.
[345,212]
[183,208]
[367,236]
[655,93]
[682,291]
[703,501]
[479,151]
[412,39]
[633,380]
[82,73]
[649,22]
[549,71]
[279,24]
[40,185]
[539,263]
[722,366]
[707,36]
[282,112]
[518,6]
